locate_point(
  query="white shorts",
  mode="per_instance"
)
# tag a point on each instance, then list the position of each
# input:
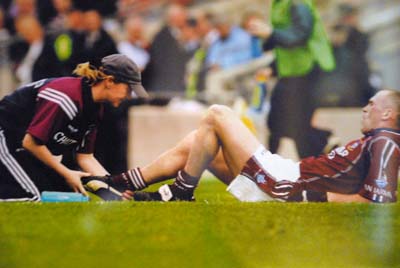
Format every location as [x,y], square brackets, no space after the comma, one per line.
[274,165]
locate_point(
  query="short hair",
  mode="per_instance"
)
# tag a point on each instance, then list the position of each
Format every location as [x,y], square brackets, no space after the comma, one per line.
[221,19]
[394,96]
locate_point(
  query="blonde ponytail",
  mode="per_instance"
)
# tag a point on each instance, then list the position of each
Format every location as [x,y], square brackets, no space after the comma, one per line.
[90,72]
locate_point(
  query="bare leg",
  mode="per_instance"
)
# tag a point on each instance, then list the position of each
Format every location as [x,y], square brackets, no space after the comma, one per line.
[167,165]
[221,128]
[219,169]
[222,144]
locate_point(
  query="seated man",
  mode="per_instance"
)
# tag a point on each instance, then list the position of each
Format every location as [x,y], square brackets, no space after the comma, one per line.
[365,170]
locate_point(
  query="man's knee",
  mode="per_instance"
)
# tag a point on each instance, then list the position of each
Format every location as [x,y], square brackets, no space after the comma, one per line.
[217,112]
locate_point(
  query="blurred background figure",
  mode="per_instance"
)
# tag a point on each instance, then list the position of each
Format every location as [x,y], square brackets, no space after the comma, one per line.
[104,8]
[26,51]
[232,47]
[231,53]
[5,68]
[148,8]
[349,84]
[60,20]
[169,54]
[75,21]
[98,43]
[37,54]
[256,42]
[68,42]
[196,69]
[19,8]
[135,45]
[190,35]
[301,48]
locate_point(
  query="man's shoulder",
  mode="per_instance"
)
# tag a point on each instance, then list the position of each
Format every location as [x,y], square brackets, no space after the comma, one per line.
[386,132]
[384,135]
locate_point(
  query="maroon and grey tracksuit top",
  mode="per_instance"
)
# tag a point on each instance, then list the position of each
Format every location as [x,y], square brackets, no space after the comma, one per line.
[59,113]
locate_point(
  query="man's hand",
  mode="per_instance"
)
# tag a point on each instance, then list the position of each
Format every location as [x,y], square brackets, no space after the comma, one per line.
[264,74]
[127,195]
[259,28]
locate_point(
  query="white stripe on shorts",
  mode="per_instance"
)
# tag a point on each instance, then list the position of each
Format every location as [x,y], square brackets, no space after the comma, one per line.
[16,170]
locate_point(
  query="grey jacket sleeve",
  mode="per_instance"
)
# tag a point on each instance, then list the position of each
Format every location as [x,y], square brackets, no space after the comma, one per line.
[296,34]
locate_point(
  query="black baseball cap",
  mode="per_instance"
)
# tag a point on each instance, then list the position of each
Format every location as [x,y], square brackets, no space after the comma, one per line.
[126,71]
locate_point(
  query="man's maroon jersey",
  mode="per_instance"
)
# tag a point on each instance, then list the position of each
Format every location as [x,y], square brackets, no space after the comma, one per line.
[367,166]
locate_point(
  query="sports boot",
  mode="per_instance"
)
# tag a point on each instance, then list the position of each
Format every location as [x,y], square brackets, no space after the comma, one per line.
[165,193]
[100,186]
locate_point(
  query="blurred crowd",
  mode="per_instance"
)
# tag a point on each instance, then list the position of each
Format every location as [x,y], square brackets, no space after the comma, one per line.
[47,38]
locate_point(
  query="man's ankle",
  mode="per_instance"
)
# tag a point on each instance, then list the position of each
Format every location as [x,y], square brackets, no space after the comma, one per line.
[131,179]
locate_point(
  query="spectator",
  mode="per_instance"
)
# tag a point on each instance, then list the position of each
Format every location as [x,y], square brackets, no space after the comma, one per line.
[75,21]
[58,23]
[32,34]
[4,4]
[68,42]
[98,43]
[135,46]
[168,57]
[104,8]
[4,39]
[5,73]
[205,28]
[19,8]
[256,42]
[348,84]
[190,35]
[233,46]
[301,48]
[38,55]
[196,69]
[148,8]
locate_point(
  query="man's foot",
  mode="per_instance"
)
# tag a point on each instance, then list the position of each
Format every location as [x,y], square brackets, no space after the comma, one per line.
[100,186]
[165,193]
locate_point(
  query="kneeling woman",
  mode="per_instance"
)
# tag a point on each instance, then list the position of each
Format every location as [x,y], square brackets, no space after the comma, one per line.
[43,120]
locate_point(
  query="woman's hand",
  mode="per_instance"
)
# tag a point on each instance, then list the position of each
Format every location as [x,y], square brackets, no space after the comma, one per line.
[73,178]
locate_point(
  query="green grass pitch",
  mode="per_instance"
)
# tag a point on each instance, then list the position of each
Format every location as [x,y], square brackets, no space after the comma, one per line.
[214,231]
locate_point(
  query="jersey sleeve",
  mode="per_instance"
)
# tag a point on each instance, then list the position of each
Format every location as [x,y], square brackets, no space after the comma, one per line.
[380,184]
[48,118]
[87,145]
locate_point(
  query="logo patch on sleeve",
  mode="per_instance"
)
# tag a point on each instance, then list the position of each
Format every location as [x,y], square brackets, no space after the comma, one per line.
[381,183]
